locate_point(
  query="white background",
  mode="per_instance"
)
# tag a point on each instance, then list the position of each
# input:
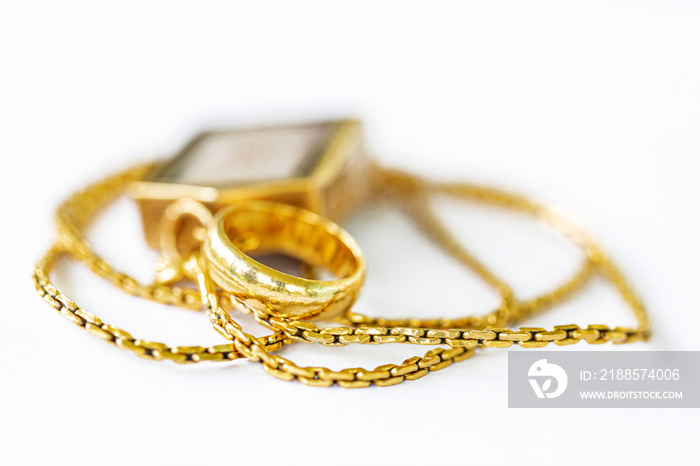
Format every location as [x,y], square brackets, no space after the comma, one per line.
[593,104]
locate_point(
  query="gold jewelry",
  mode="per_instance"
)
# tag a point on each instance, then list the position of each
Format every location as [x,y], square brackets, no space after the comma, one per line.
[267,227]
[410,193]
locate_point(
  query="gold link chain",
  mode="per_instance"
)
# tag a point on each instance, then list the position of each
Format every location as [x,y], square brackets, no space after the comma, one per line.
[461,335]
[123,339]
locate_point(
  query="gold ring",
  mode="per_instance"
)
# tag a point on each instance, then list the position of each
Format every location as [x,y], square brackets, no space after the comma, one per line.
[267,227]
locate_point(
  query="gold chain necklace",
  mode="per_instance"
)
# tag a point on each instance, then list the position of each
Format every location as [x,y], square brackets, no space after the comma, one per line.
[459,335]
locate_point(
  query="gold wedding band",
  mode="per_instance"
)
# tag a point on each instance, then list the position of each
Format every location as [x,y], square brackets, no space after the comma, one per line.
[261,227]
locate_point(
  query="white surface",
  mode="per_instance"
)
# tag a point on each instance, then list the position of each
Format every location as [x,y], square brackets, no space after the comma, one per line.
[594,104]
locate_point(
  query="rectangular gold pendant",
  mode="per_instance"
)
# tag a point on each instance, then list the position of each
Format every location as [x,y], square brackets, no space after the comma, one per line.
[320,166]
